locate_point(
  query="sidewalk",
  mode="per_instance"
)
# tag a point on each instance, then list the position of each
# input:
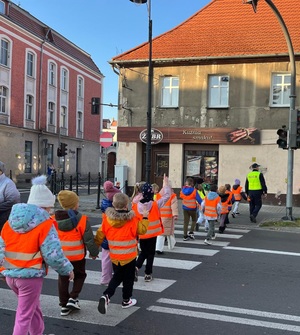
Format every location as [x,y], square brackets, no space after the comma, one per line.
[88,205]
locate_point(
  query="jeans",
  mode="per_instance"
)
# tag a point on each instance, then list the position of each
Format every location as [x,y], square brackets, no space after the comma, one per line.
[211,229]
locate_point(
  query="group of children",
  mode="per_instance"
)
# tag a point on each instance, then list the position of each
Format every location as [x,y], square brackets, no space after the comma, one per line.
[206,204]
[62,240]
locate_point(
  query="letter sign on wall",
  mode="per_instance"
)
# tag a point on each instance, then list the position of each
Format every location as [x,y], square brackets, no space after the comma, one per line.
[156,136]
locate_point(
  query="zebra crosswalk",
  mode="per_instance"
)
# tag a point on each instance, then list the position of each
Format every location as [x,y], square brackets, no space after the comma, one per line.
[185,256]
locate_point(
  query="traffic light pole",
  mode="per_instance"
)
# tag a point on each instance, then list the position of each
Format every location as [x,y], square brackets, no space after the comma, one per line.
[292,133]
[292,116]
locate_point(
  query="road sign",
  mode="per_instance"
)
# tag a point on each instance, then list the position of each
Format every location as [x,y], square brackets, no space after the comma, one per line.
[106,140]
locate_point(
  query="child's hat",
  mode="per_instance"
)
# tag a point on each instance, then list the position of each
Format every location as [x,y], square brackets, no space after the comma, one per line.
[147,192]
[40,195]
[110,190]
[237,182]
[68,199]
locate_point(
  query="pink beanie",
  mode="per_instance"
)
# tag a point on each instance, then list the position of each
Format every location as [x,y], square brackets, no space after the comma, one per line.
[110,190]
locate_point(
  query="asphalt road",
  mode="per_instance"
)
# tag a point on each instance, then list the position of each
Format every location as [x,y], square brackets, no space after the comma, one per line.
[246,283]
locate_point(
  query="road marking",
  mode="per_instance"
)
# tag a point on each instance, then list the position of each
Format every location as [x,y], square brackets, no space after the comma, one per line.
[93,278]
[197,233]
[276,252]
[87,314]
[201,242]
[228,318]
[194,251]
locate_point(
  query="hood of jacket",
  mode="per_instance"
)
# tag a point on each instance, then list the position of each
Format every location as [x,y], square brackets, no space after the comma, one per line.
[117,218]
[224,196]
[25,217]
[64,221]
[212,195]
[187,190]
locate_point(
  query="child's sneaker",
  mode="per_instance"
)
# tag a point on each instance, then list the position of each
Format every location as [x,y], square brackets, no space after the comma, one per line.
[103,303]
[185,238]
[129,303]
[148,278]
[65,311]
[207,242]
[73,304]
[214,237]
[191,235]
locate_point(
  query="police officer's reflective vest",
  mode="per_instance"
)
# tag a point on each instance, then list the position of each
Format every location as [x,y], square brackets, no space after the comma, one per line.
[254,183]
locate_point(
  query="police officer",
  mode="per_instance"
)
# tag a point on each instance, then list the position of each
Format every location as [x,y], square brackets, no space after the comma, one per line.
[255,187]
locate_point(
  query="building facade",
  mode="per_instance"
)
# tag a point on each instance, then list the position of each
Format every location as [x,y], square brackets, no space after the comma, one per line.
[221,89]
[46,87]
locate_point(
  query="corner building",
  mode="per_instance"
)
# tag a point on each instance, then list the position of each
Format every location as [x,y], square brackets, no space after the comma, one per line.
[221,89]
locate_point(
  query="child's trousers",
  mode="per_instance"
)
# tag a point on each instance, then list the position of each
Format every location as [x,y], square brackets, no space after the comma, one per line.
[107,268]
[29,316]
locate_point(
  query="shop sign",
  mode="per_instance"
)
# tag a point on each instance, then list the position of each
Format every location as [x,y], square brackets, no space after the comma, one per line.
[156,136]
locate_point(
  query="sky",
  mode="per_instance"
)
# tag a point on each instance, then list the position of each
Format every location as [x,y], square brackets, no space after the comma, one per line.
[106,28]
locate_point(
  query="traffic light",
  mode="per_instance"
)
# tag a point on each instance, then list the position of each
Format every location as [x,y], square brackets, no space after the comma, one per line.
[282,138]
[59,152]
[63,148]
[253,3]
[95,106]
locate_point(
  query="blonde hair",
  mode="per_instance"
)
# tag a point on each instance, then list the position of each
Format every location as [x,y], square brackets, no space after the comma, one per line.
[120,201]
[137,188]
[155,188]
[222,189]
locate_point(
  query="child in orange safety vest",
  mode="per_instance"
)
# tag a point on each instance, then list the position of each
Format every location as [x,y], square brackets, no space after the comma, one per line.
[237,192]
[211,207]
[76,237]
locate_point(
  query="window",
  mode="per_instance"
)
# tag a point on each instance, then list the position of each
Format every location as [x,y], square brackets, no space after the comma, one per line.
[169,92]
[30,64]
[3,100]
[29,107]
[80,88]
[281,89]
[2,7]
[28,156]
[64,79]
[218,91]
[4,52]
[51,111]
[63,117]
[52,74]
[79,121]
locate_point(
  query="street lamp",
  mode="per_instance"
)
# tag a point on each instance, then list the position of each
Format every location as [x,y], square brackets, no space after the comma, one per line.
[150,84]
[292,134]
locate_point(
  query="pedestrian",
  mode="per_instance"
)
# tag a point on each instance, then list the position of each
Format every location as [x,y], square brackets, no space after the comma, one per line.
[169,215]
[255,188]
[155,228]
[106,264]
[211,207]
[29,243]
[121,227]
[76,237]
[225,199]
[202,194]
[9,195]
[230,202]
[190,197]
[50,172]
[237,193]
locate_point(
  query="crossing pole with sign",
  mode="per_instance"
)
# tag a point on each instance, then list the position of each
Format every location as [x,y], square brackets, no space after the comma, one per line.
[106,140]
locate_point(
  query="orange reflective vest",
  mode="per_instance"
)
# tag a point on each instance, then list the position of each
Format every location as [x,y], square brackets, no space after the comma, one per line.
[210,209]
[189,201]
[122,241]
[23,250]
[225,205]
[237,193]
[72,241]
[166,210]
[155,226]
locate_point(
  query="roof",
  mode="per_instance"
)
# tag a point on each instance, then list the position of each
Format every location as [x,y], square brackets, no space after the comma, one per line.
[225,28]
[31,24]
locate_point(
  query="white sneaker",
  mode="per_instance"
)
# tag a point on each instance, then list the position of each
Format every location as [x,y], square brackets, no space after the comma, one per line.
[214,237]
[103,303]
[130,303]
[207,242]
